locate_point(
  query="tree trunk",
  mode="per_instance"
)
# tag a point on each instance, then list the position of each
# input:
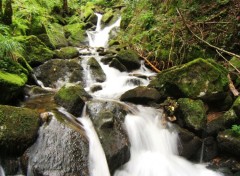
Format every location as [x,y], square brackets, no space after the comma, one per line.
[65,8]
[8,13]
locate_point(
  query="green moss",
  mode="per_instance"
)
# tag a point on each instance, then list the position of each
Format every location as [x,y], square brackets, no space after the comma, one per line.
[75,33]
[107,16]
[196,79]
[8,78]
[193,112]
[36,52]
[56,35]
[67,53]
[18,129]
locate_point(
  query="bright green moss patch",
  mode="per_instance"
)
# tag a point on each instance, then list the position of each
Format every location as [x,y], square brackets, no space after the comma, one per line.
[8,78]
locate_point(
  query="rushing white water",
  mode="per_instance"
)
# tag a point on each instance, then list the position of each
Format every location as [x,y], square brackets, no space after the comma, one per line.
[97,160]
[154,149]
[153,145]
[2,173]
[99,37]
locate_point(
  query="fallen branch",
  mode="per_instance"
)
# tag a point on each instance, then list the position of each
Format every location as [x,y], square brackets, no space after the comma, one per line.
[232,87]
[148,62]
[204,41]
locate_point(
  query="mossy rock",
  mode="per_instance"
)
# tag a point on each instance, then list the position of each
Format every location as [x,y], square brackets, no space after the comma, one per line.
[56,35]
[18,129]
[236,106]
[67,53]
[96,70]
[229,143]
[193,112]
[107,16]
[129,59]
[198,79]
[36,52]
[53,73]
[118,65]
[75,34]
[11,86]
[73,98]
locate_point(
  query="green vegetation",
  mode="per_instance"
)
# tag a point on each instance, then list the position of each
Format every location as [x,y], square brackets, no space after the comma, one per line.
[235,130]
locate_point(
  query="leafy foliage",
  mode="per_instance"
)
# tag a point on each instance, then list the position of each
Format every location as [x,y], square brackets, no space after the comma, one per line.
[235,130]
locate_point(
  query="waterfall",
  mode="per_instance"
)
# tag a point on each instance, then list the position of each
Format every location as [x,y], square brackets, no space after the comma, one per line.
[153,146]
[97,160]
[2,173]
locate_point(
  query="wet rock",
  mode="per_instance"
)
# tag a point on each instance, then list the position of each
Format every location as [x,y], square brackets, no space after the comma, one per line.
[96,70]
[67,53]
[229,143]
[236,106]
[11,86]
[18,129]
[141,95]
[226,165]
[108,118]
[210,149]
[59,150]
[37,52]
[10,165]
[193,113]
[129,59]
[96,88]
[222,122]
[118,65]
[73,98]
[30,91]
[107,17]
[55,73]
[202,79]
[189,144]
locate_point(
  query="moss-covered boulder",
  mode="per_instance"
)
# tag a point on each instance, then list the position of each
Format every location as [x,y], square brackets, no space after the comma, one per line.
[67,53]
[75,34]
[18,129]
[96,70]
[203,79]
[129,59]
[53,73]
[11,86]
[236,106]
[73,98]
[107,16]
[56,35]
[108,119]
[141,95]
[229,143]
[193,113]
[36,52]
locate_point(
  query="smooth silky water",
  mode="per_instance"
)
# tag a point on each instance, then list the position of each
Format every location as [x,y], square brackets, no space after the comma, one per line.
[153,146]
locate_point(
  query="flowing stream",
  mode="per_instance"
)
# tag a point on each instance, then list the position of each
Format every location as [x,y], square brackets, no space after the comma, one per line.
[153,146]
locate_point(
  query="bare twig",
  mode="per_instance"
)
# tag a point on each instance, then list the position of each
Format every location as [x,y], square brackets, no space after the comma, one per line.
[232,87]
[204,41]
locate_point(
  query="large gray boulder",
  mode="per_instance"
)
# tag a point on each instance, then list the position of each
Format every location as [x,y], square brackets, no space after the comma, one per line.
[108,118]
[198,79]
[55,72]
[59,150]
[129,59]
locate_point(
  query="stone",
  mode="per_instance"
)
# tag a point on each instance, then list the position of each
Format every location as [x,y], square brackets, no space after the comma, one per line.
[96,70]
[129,59]
[72,98]
[67,53]
[18,129]
[193,113]
[141,95]
[198,79]
[118,65]
[55,73]
[59,150]
[75,34]
[108,119]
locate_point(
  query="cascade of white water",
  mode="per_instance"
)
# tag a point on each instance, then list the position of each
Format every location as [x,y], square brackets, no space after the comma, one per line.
[97,160]
[99,37]
[153,146]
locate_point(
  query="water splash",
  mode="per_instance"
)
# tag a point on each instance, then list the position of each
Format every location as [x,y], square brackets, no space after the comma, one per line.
[2,173]
[154,149]
[97,160]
